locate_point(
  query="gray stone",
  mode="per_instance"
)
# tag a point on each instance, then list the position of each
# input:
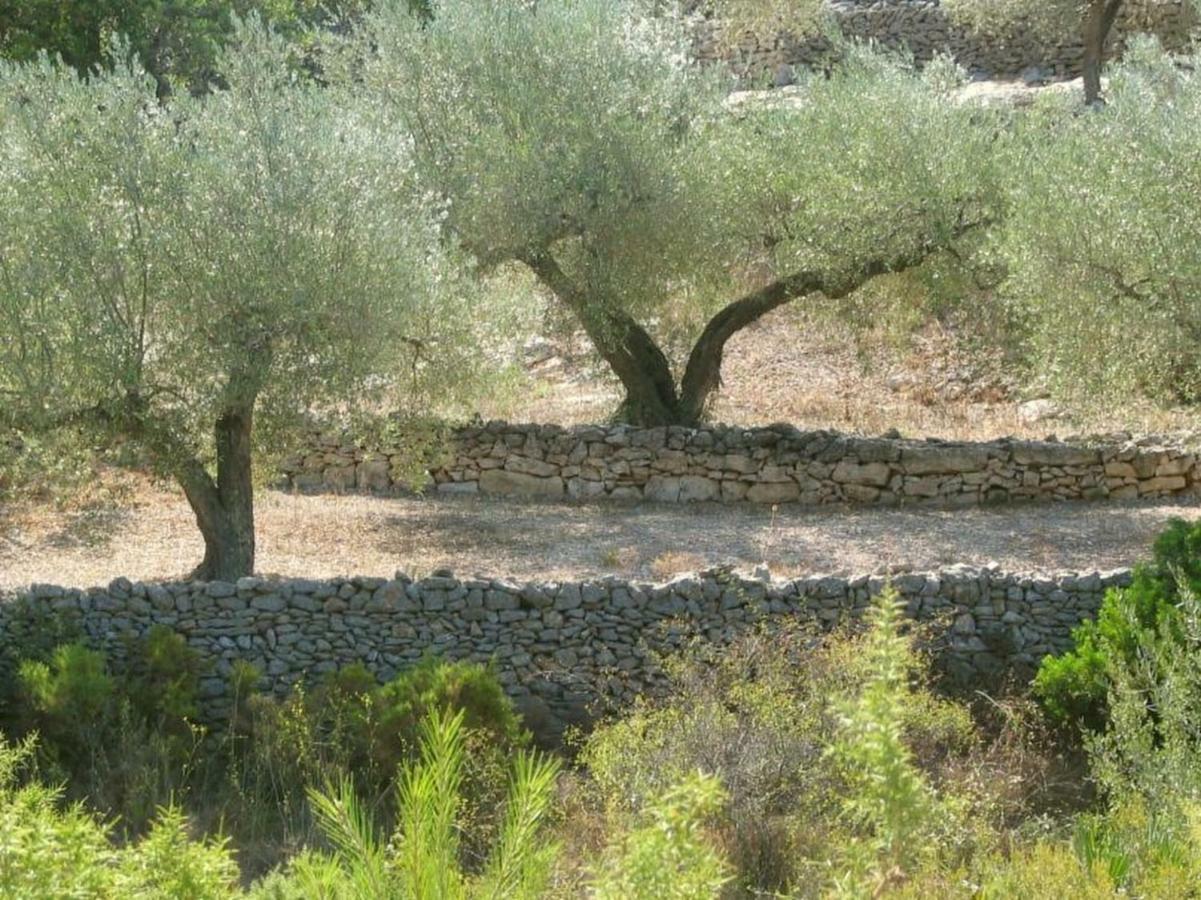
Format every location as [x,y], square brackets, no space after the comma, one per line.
[502,481]
[943,459]
[773,492]
[848,472]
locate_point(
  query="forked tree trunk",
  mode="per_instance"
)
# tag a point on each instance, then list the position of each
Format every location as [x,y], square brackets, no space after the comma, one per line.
[224,507]
[652,396]
[631,352]
[1098,22]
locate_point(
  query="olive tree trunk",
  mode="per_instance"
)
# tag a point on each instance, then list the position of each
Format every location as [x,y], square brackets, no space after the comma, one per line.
[1098,23]
[224,506]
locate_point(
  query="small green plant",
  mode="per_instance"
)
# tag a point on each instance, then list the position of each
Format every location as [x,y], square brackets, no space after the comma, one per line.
[889,800]
[422,859]
[168,688]
[667,857]
[49,849]
[400,707]
[70,698]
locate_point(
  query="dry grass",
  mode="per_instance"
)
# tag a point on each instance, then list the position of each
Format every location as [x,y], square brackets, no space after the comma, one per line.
[151,534]
[675,562]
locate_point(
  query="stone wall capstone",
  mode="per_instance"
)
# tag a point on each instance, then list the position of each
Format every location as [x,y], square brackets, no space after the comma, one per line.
[925,28]
[775,464]
[565,651]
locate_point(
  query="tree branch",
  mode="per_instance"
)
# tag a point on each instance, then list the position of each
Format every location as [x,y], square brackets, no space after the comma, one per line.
[703,371]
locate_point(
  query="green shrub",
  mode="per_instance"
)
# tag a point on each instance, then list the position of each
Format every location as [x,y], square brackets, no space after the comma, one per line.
[350,725]
[399,708]
[1045,871]
[124,743]
[70,699]
[667,857]
[1147,760]
[755,715]
[1074,685]
[48,849]
[758,715]
[166,690]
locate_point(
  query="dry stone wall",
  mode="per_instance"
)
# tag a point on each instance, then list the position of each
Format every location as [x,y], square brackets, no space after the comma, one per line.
[564,650]
[924,27]
[776,464]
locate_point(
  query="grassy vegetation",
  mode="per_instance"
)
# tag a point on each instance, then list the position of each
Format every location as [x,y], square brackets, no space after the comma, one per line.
[797,764]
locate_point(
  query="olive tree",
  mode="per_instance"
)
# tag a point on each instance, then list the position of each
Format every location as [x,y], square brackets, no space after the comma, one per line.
[579,140]
[188,276]
[1100,240]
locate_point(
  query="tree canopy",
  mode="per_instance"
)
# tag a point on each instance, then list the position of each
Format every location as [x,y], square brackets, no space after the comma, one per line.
[173,274]
[1099,241]
[580,140]
[174,40]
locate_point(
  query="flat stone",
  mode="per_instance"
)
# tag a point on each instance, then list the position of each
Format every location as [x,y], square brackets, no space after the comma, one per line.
[662,489]
[503,481]
[773,492]
[339,478]
[1037,453]
[948,460]
[697,488]
[372,475]
[875,474]
[526,466]
[458,487]
[1117,469]
[1163,484]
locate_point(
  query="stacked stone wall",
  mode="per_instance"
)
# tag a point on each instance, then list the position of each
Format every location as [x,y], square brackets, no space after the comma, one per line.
[564,650]
[925,28]
[776,464]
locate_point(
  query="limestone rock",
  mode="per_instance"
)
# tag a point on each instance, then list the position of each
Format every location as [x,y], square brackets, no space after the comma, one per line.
[503,481]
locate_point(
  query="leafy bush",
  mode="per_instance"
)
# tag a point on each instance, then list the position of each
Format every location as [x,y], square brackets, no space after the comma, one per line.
[754,716]
[1110,301]
[124,742]
[398,709]
[48,848]
[758,716]
[349,724]
[166,690]
[1074,685]
[70,699]
[1045,871]
[668,857]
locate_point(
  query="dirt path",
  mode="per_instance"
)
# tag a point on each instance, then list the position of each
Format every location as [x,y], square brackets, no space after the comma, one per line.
[154,537]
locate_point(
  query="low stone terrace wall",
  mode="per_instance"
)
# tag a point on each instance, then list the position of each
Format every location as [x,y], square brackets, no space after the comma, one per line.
[776,464]
[564,650]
